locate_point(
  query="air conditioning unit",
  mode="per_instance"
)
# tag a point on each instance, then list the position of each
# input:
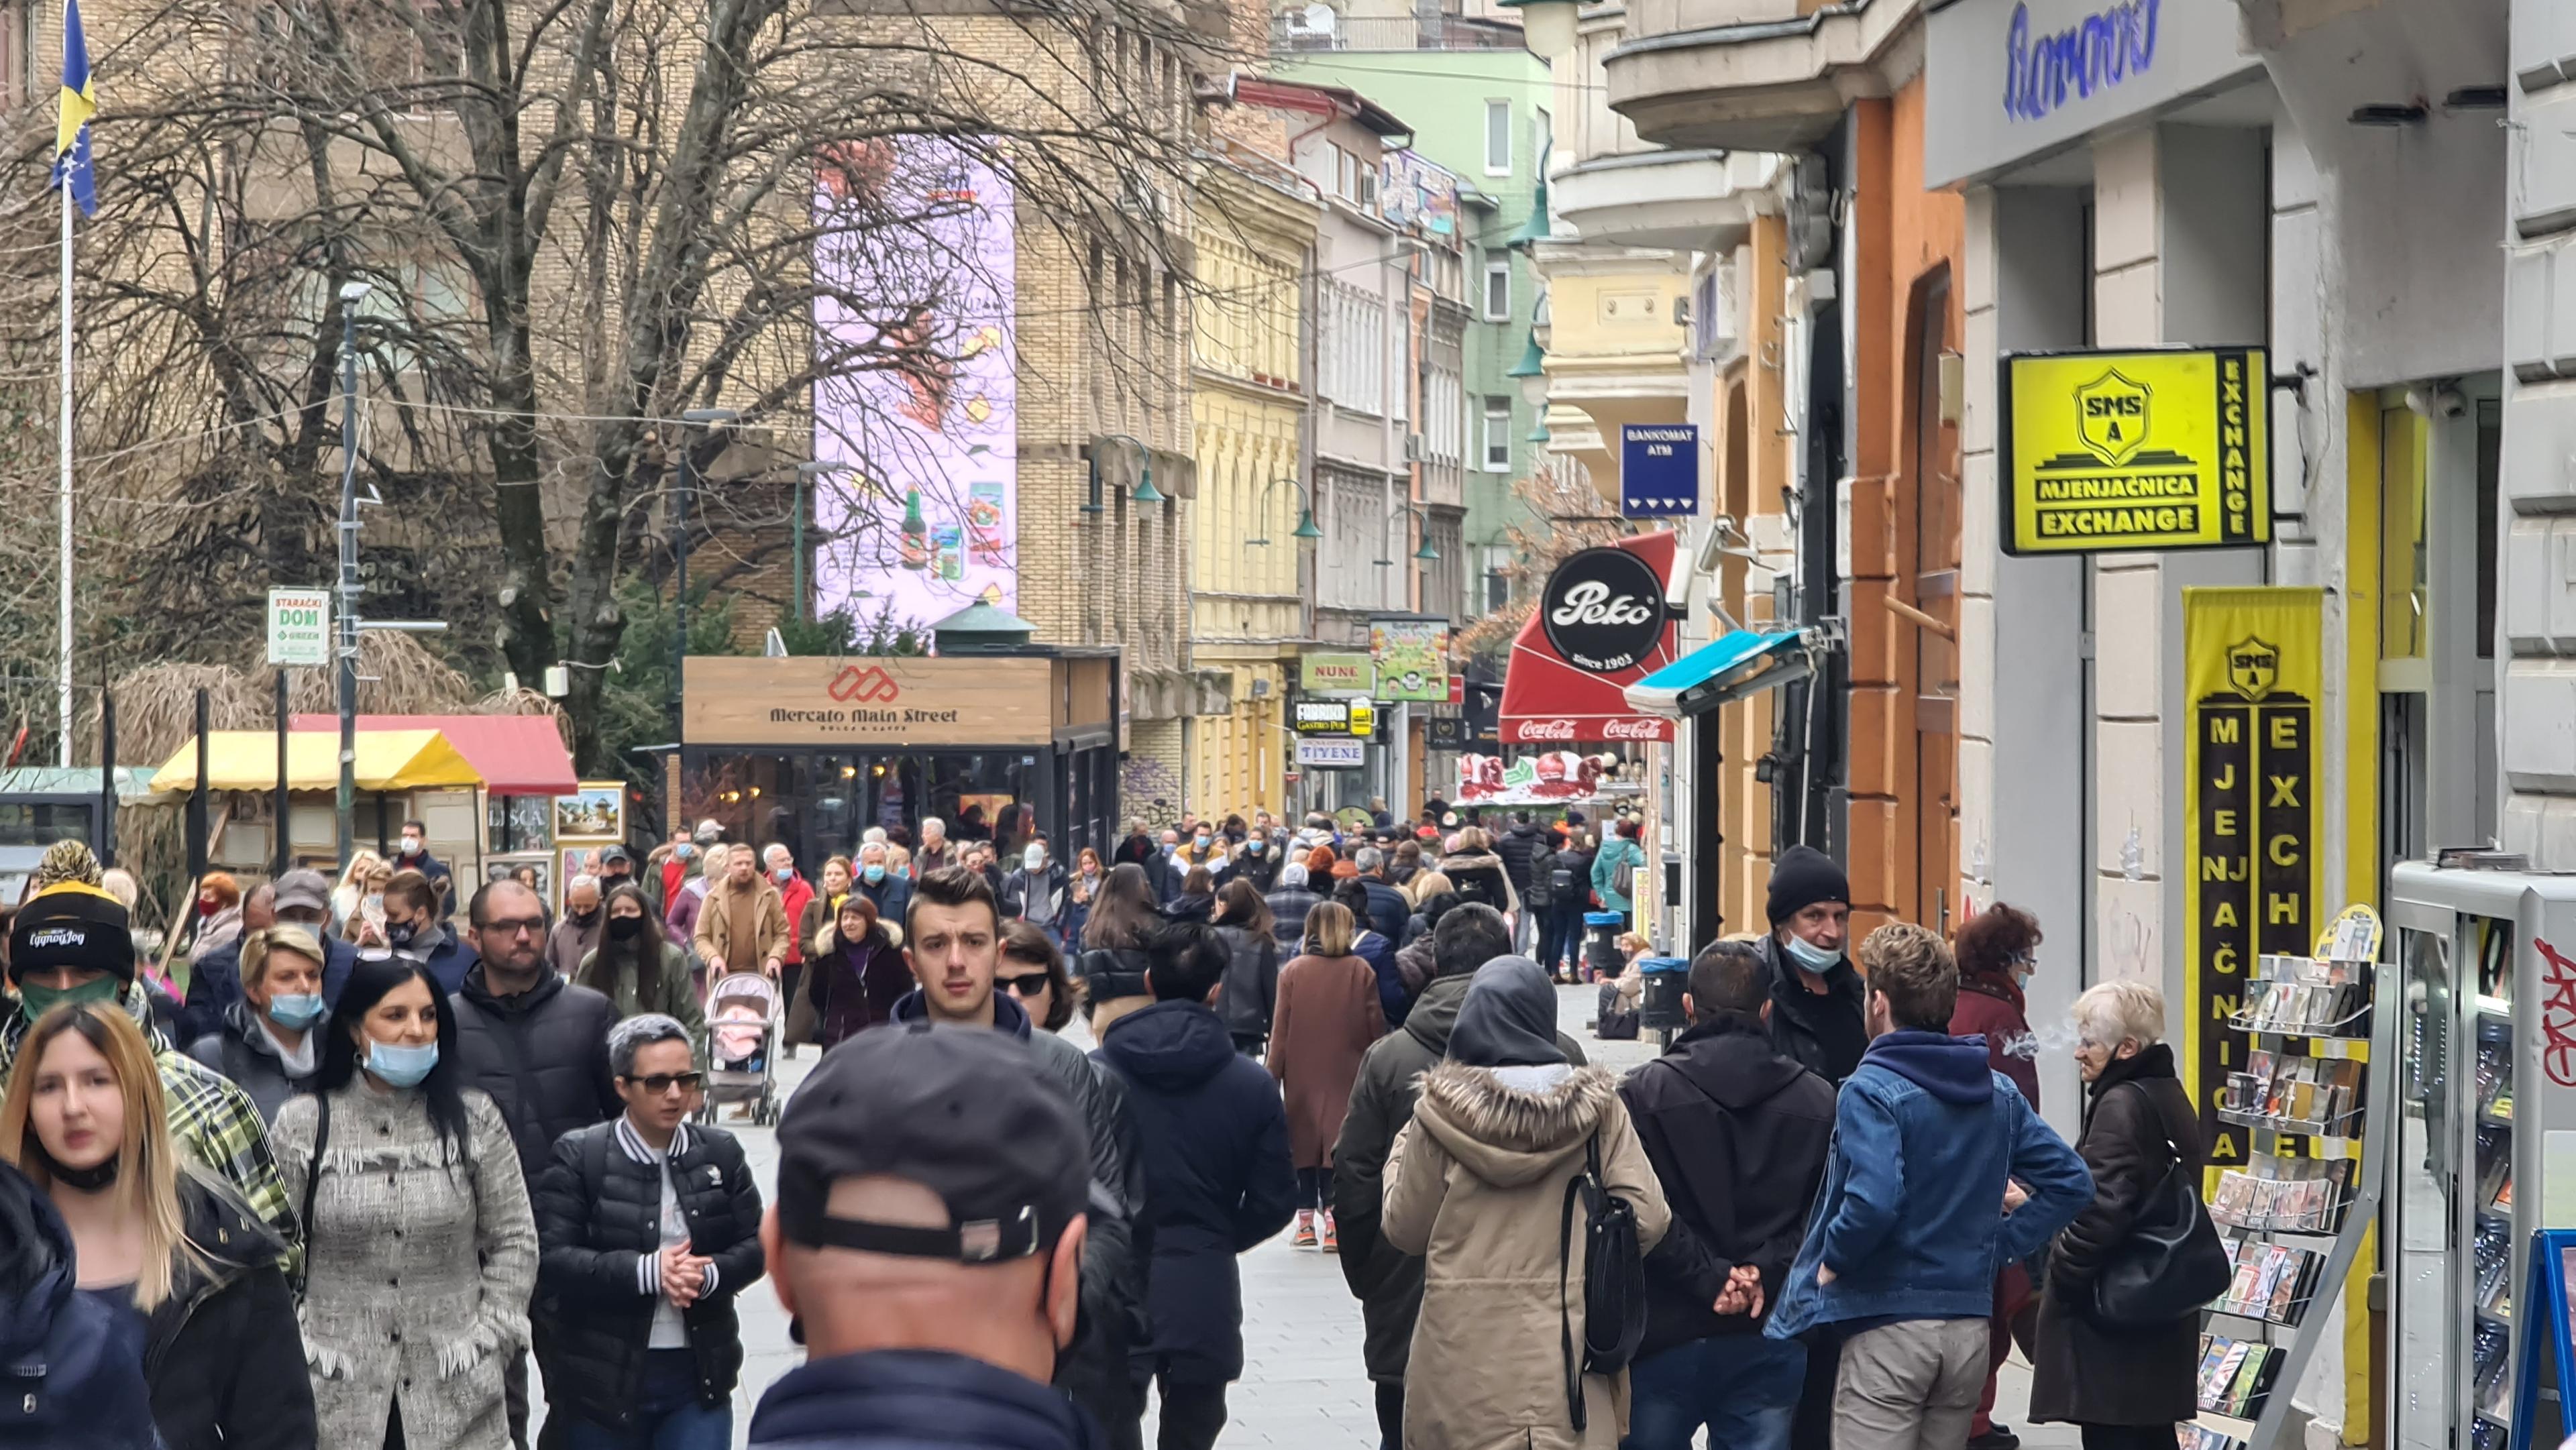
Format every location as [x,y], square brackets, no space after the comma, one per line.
[1415,450]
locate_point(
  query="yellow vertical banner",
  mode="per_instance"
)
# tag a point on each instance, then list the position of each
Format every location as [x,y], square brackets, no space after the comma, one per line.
[2253,817]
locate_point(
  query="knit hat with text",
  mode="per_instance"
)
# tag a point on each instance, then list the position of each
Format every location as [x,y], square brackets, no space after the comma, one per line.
[1802,877]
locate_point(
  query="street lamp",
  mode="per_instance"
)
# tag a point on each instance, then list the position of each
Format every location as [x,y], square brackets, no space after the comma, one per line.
[693,419]
[1531,370]
[345,801]
[1426,554]
[805,473]
[1305,529]
[1144,492]
[1547,26]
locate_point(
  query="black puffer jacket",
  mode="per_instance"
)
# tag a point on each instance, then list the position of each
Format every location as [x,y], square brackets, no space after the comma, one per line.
[75,1367]
[1518,846]
[244,1052]
[1109,973]
[223,1354]
[543,1058]
[599,1217]
[1251,981]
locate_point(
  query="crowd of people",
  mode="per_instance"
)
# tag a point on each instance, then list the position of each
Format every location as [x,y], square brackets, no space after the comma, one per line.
[372,1165]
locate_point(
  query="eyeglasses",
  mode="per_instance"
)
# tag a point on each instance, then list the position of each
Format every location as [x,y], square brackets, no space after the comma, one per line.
[662,1082]
[1027,984]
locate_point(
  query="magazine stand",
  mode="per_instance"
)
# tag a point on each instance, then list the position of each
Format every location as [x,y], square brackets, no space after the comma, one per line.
[2309,1098]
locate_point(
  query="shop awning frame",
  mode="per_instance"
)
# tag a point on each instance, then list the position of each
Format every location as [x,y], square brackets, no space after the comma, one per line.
[1742,663]
[387,760]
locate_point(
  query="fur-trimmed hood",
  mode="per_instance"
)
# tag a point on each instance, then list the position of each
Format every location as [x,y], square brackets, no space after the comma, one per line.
[1507,1136]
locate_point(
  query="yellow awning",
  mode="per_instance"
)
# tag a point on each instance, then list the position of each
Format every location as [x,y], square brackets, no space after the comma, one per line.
[387,760]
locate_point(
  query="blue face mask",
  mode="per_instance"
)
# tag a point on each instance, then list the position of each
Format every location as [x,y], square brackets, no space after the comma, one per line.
[1810,956]
[873,873]
[296,1010]
[399,1066]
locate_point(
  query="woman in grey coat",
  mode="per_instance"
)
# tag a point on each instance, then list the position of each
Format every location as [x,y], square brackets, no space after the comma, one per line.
[420,1251]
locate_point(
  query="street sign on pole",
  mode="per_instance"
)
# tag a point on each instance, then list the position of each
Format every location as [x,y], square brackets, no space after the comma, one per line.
[1658,470]
[299,627]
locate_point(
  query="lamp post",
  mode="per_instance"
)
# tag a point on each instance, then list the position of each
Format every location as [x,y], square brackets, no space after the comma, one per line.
[806,472]
[345,799]
[1305,529]
[1144,492]
[690,421]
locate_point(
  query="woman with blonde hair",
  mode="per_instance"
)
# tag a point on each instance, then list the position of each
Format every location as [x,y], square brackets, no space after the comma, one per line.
[352,888]
[268,1044]
[1424,885]
[181,1260]
[1326,1016]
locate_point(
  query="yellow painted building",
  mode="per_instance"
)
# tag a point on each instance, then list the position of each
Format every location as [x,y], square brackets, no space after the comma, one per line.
[1253,228]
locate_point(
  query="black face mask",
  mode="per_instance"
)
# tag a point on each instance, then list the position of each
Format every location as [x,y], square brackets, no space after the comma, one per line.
[625,928]
[93,1179]
[401,933]
[585,918]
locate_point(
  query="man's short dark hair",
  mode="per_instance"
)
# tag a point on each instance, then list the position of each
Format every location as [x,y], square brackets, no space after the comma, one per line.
[476,910]
[952,887]
[1520,818]
[420,826]
[1728,976]
[1184,962]
[1468,937]
[1912,967]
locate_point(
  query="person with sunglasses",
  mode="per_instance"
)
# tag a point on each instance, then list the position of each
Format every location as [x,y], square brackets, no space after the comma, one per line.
[1033,971]
[648,1227]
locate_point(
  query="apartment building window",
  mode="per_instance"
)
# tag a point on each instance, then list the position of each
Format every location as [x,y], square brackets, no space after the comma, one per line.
[1498,434]
[1498,289]
[1498,138]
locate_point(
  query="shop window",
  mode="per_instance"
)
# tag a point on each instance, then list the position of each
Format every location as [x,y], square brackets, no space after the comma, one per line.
[517,823]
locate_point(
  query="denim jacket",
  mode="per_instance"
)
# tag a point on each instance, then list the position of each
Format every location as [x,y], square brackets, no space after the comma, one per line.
[1911,1218]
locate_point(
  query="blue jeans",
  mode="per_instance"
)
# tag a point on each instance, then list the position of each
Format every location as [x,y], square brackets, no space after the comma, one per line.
[667,1413]
[1742,1386]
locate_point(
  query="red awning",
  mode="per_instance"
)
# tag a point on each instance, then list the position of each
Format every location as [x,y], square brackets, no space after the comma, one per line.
[515,754]
[1547,701]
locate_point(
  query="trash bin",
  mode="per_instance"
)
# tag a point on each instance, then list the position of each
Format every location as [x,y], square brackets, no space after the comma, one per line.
[1659,1006]
[1601,942]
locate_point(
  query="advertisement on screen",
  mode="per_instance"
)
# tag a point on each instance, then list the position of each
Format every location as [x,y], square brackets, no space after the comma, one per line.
[917,262]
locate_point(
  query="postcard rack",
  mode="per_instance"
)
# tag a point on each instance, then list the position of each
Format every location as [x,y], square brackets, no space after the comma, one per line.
[2294,1213]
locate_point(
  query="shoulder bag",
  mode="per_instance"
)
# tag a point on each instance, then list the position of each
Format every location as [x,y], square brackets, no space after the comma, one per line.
[312,1180]
[1614,1281]
[2172,1264]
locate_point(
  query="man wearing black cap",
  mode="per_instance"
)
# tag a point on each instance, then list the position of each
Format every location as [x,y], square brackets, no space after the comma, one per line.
[927,1242]
[1817,1002]
[71,942]
[952,942]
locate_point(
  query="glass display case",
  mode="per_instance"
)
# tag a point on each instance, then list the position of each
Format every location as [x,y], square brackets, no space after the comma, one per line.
[2482,1088]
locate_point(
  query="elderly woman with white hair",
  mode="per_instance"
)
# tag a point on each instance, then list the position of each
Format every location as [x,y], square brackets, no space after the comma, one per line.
[648,1226]
[1290,900]
[2125,1386]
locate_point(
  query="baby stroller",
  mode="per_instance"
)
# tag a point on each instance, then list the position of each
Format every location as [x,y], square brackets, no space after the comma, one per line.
[743,1020]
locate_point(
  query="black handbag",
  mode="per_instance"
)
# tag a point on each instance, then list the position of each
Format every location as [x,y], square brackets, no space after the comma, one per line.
[2170,1266]
[1614,1281]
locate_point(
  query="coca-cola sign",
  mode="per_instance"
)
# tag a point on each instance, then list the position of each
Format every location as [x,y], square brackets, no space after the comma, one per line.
[1603,610]
[1599,727]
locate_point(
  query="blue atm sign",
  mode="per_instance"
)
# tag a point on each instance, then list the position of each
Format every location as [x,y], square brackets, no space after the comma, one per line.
[1658,470]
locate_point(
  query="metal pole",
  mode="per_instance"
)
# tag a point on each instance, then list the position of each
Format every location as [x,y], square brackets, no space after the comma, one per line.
[680,577]
[345,820]
[278,857]
[106,774]
[197,801]
[63,684]
[798,547]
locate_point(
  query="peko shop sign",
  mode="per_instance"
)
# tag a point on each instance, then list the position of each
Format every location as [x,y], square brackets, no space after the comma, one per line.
[2102,50]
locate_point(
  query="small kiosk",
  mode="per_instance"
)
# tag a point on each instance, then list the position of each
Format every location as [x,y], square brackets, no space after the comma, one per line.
[812,751]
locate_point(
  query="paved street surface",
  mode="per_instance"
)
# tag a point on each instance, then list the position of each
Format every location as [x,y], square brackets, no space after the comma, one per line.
[1303,1384]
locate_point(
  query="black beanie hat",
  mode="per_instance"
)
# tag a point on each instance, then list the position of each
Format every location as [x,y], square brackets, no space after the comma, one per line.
[1802,877]
[71,924]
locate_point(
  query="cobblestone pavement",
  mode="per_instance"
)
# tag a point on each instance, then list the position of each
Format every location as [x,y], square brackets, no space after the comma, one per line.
[1303,1384]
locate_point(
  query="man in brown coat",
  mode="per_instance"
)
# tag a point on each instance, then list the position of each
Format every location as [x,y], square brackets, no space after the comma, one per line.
[743,926]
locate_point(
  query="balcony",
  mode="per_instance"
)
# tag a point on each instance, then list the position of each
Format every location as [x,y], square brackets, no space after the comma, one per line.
[1755,75]
[1320,28]
[1676,200]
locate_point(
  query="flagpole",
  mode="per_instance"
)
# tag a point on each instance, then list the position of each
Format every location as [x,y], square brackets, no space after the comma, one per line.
[63,686]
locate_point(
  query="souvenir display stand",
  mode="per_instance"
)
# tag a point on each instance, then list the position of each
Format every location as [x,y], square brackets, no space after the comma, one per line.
[2294,1212]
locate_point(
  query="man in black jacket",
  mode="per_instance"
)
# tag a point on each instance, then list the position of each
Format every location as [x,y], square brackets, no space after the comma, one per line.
[1387,908]
[538,1045]
[1738,1135]
[1520,846]
[1386,1280]
[953,942]
[1817,1001]
[648,1227]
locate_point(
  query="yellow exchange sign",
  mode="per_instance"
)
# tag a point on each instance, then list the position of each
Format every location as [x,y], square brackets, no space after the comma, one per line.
[2105,451]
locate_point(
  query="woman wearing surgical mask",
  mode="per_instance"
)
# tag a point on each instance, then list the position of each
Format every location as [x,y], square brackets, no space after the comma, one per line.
[270,1043]
[185,1273]
[637,968]
[420,1251]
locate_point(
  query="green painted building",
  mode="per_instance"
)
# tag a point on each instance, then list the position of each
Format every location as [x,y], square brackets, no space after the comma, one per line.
[1478,104]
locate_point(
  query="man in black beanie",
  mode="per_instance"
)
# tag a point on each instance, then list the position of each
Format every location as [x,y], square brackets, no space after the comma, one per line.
[1817,1001]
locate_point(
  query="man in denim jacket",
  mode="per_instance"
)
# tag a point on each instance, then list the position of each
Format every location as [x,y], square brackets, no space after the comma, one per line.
[1940,1173]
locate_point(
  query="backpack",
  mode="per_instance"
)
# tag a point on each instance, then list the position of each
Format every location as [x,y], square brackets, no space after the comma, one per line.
[1614,1281]
[1542,878]
[1560,882]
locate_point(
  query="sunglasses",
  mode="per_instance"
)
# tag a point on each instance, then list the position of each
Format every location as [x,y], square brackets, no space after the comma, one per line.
[1027,984]
[662,1082]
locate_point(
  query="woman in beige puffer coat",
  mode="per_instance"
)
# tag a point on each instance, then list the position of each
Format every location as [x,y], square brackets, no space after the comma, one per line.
[1476,1185]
